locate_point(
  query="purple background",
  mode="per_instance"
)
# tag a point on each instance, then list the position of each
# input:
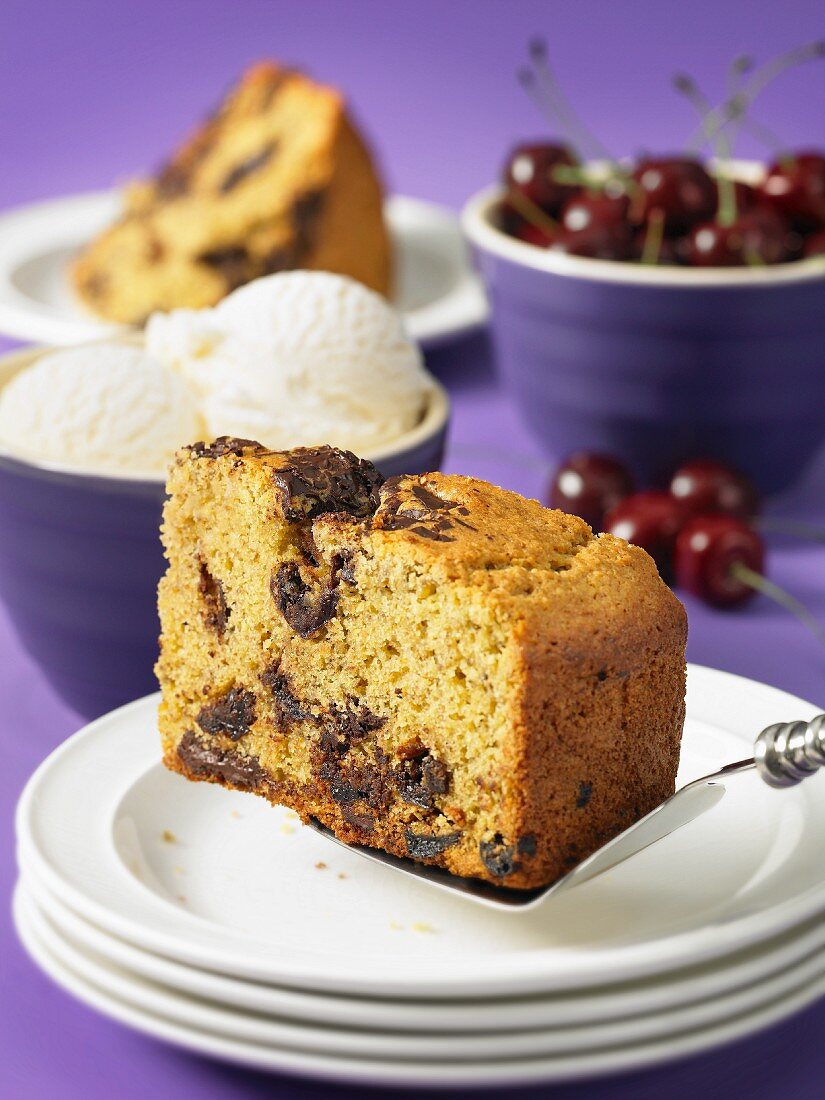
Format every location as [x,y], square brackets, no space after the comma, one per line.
[92,91]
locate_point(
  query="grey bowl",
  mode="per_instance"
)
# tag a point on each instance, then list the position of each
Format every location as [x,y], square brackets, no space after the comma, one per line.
[80,560]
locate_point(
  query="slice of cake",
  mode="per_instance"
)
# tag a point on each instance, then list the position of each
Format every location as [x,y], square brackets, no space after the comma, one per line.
[277,178]
[432,665]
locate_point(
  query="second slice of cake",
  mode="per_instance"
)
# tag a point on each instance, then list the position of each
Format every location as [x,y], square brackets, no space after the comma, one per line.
[432,665]
[277,178]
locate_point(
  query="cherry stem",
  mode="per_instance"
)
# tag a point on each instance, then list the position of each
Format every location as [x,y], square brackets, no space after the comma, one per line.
[738,104]
[572,175]
[738,68]
[532,213]
[726,212]
[753,258]
[790,603]
[654,232]
[795,527]
[547,94]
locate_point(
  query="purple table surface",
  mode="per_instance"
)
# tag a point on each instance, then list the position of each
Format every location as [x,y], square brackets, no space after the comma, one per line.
[93,91]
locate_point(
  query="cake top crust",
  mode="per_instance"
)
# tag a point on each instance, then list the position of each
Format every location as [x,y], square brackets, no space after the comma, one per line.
[459,529]
[446,515]
[309,481]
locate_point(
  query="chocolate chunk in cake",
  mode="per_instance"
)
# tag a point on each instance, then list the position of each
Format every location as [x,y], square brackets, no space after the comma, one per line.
[215,610]
[325,479]
[200,760]
[232,715]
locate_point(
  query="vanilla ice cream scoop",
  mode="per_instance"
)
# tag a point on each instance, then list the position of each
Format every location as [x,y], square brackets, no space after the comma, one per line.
[297,359]
[103,408]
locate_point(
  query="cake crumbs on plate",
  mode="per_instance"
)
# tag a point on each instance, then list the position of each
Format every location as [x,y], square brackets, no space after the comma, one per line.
[342,875]
[287,829]
[422,927]
[236,815]
[396,927]
[320,865]
[168,837]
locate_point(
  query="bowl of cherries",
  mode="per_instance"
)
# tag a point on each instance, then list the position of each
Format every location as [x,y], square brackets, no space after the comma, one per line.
[666,306]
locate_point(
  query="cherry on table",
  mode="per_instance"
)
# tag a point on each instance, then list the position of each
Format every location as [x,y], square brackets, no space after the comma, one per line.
[713,557]
[652,520]
[678,186]
[704,485]
[588,484]
[530,171]
[794,185]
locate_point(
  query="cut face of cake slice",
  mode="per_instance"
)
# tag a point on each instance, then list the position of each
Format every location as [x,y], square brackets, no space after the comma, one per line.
[429,665]
[277,178]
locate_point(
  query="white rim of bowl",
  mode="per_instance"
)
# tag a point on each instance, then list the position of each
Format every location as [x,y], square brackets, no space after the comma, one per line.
[433,422]
[478,226]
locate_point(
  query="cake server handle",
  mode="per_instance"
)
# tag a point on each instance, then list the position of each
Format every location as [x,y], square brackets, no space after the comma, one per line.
[788,752]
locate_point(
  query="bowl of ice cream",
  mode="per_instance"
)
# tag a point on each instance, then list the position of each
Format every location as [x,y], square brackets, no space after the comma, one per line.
[87,433]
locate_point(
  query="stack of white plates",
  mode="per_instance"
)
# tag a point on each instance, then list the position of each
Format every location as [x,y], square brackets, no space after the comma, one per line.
[216,923]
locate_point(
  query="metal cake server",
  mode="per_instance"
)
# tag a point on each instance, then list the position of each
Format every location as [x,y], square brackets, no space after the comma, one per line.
[784,754]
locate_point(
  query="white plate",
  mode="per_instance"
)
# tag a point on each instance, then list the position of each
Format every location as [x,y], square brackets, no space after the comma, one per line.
[437,290]
[238,890]
[802,945]
[593,1062]
[435,1047]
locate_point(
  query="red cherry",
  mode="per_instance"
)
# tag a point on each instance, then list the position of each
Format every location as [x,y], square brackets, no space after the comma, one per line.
[534,234]
[705,485]
[509,219]
[708,551]
[756,237]
[678,186]
[652,520]
[516,225]
[607,208]
[530,170]
[815,245]
[795,186]
[589,485]
[746,197]
[596,241]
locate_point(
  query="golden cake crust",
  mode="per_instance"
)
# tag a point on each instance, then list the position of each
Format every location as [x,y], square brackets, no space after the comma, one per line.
[277,178]
[431,665]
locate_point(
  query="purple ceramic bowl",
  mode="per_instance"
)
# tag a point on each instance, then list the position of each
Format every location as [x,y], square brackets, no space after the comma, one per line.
[80,561]
[658,364]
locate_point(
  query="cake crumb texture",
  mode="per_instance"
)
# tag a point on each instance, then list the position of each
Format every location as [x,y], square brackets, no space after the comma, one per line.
[429,665]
